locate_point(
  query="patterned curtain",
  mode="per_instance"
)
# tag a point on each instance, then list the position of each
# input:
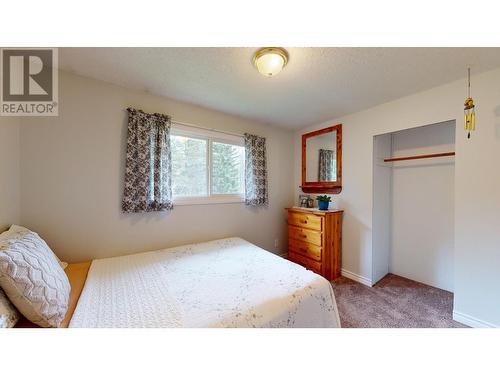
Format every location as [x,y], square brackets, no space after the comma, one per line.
[148,168]
[256,193]
[327,165]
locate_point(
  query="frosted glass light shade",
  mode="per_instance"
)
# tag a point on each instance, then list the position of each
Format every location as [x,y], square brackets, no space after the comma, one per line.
[270,61]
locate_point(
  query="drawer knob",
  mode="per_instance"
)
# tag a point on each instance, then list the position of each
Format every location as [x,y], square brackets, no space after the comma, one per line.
[304,235]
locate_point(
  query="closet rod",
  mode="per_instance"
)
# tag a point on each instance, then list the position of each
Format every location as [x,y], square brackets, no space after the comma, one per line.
[421,157]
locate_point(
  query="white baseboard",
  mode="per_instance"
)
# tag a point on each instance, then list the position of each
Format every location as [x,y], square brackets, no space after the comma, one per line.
[471,321]
[360,279]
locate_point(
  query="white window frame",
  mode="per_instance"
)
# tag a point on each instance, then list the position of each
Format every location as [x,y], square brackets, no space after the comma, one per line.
[210,136]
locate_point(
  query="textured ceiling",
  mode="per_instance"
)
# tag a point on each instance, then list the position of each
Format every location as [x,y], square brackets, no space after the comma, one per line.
[317,84]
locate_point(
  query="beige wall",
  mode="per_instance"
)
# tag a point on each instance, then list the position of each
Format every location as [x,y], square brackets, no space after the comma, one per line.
[477,187]
[72,178]
[9,172]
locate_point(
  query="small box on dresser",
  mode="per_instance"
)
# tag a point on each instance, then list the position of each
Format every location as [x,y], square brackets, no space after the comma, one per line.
[315,240]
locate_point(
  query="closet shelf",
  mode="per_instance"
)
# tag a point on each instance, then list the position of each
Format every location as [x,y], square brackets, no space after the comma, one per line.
[427,156]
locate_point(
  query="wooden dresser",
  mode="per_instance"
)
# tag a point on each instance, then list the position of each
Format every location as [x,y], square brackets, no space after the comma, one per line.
[315,240]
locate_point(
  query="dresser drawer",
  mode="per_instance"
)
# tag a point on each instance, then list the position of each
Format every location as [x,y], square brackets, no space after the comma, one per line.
[305,262]
[305,220]
[306,235]
[305,248]
[315,240]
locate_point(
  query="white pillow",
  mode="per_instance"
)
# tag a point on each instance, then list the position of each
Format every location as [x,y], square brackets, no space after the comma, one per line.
[32,278]
[8,313]
[19,229]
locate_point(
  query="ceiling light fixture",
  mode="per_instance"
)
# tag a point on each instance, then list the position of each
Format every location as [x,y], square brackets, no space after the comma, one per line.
[270,61]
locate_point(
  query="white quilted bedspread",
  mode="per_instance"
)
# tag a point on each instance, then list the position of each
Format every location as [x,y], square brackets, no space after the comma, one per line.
[223,283]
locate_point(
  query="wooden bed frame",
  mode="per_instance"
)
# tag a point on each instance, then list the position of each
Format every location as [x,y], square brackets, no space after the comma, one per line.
[77,275]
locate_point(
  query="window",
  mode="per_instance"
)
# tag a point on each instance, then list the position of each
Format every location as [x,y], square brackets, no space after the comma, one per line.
[207,166]
[189,166]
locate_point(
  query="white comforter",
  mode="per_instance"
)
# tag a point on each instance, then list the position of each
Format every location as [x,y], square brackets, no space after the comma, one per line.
[223,283]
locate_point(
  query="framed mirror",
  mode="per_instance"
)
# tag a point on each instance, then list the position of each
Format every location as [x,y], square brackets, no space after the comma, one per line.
[322,161]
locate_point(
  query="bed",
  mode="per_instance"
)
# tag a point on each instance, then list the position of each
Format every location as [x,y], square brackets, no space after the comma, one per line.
[222,283]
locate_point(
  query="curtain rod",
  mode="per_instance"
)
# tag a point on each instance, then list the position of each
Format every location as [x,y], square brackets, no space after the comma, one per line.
[205,128]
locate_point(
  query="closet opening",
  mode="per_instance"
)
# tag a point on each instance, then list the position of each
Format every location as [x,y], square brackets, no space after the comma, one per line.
[413,204]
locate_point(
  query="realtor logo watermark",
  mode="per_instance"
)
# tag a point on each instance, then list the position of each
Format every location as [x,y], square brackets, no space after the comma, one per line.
[29,82]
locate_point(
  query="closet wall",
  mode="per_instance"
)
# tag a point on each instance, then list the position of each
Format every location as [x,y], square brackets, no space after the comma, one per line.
[421,205]
[382,206]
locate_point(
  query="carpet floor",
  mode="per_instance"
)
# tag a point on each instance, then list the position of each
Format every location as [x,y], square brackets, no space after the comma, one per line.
[394,302]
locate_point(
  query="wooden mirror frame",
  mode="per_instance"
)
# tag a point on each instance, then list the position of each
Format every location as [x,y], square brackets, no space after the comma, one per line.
[334,187]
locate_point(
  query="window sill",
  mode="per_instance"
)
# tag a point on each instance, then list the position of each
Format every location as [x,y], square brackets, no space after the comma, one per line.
[223,199]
